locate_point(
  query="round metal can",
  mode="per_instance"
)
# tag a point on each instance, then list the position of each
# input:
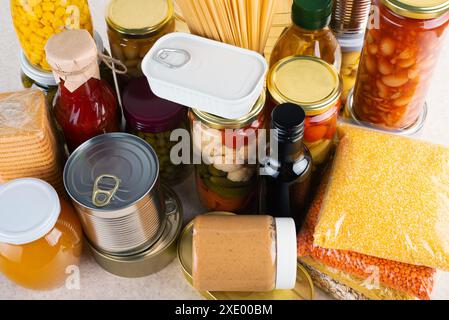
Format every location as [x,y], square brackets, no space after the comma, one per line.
[350,16]
[156,258]
[414,129]
[113,180]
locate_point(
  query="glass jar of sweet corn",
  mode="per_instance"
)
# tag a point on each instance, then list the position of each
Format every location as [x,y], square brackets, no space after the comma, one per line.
[35,21]
[40,238]
[316,86]
[134,26]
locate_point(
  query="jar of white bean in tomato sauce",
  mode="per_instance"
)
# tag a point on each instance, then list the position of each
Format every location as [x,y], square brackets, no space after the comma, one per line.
[227,177]
[400,54]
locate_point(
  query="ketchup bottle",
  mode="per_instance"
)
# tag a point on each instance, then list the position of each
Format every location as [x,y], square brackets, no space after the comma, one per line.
[85,105]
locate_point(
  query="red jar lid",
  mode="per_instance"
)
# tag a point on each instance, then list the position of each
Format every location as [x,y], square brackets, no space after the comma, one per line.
[146,112]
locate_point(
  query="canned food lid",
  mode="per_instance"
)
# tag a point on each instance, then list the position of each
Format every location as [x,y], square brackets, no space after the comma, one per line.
[146,112]
[309,82]
[29,210]
[124,167]
[217,122]
[139,17]
[418,9]
[41,77]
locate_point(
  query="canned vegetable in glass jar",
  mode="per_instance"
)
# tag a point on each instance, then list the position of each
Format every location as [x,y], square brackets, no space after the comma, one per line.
[154,119]
[316,86]
[227,179]
[399,57]
[134,26]
[36,21]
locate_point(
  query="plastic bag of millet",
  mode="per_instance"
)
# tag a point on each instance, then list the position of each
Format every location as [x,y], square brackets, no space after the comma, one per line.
[414,280]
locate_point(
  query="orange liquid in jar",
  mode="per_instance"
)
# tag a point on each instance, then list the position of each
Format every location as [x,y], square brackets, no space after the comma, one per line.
[44,264]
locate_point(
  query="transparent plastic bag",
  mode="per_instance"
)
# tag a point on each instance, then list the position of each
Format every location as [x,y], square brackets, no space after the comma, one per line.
[28,145]
[388,197]
[416,281]
[343,286]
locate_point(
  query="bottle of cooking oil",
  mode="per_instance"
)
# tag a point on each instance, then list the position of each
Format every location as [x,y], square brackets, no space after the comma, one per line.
[309,34]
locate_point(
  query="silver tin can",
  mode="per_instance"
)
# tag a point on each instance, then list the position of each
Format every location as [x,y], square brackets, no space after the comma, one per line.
[350,16]
[113,180]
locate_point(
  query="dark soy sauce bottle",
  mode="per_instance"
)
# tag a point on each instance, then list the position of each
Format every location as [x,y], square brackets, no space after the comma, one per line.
[286,172]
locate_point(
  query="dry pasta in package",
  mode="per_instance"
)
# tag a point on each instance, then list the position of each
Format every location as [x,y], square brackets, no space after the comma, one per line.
[387,197]
[28,145]
[415,281]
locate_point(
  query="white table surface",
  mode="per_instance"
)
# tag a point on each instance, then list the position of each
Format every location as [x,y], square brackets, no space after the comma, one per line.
[170,284]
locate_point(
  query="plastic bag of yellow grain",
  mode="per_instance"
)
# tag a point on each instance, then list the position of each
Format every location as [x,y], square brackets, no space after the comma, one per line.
[343,286]
[36,21]
[28,147]
[388,197]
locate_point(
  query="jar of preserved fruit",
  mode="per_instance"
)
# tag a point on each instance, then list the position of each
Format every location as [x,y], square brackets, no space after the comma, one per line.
[85,105]
[35,21]
[316,86]
[398,60]
[227,178]
[309,34]
[40,235]
[154,119]
[134,26]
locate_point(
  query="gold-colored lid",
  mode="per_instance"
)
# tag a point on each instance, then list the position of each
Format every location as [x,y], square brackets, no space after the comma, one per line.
[138,17]
[217,122]
[304,289]
[309,82]
[418,9]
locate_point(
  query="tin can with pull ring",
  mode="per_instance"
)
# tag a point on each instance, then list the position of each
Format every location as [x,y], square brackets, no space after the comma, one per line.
[113,180]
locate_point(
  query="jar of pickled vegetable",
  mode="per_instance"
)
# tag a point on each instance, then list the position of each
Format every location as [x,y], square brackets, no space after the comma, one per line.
[40,236]
[154,119]
[35,21]
[398,60]
[351,47]
[316,86]
[227,177]
[134,26]
[85,105]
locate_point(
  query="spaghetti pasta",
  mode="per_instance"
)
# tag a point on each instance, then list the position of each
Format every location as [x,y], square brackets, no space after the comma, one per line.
[243,23]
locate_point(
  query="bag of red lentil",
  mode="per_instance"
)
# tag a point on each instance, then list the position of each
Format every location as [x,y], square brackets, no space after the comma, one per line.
[388,197]
[413,280]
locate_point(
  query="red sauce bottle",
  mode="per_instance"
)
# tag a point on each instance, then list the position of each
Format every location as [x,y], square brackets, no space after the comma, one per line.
[85,105]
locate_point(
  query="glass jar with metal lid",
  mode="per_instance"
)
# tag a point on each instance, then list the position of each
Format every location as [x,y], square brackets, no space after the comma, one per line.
[400,54]
[154,119]
[226,177]
[316,86]
[134,26]
[113,181]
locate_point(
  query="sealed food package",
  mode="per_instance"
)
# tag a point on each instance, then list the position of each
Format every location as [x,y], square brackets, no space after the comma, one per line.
[388,197]
[344,286]
[416,281]
[28,146]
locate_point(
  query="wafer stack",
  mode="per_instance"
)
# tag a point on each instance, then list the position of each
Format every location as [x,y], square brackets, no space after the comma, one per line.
[28,147]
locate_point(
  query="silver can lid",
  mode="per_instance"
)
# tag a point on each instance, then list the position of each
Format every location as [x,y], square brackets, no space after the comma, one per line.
[111,172]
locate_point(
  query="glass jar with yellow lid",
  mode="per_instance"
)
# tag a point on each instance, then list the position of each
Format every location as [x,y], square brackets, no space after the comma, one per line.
[134,26]
[226,177]
[35,21]
[316,86]
[400,54]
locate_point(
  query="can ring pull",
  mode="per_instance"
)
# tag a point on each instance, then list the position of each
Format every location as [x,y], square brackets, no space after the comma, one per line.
[101,198]
[172,58]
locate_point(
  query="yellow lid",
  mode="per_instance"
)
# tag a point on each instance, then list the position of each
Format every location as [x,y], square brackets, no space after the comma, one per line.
[418,9]
[216,122]
[309,82]
[139,17]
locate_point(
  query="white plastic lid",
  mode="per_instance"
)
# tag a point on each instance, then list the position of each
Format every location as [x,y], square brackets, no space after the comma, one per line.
[350,43]
[208,75]
[287,254]
[29,209]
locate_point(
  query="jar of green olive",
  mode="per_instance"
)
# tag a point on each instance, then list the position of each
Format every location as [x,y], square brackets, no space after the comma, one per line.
[154,119]
[133,28]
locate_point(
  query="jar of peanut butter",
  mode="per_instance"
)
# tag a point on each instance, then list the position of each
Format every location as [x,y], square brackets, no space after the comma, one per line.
[244,253]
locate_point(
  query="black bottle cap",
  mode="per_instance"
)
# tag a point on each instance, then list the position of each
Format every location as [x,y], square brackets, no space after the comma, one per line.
[288,122]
